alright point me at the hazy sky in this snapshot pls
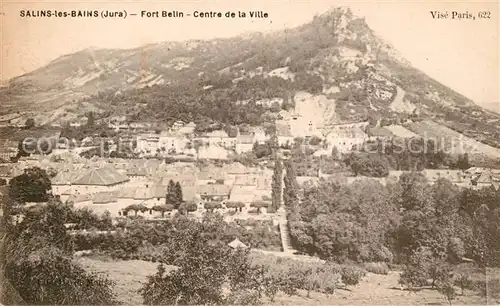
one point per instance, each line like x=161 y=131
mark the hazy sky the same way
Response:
x=463 y=54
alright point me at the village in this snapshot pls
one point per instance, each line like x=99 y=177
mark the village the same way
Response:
x=203 y=164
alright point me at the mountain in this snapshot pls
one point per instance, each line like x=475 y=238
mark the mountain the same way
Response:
x=335 y=64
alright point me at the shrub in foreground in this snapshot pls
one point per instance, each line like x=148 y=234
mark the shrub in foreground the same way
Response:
x=377 y=268
x=352 y=275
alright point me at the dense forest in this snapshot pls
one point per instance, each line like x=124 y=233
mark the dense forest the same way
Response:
x=430 y=229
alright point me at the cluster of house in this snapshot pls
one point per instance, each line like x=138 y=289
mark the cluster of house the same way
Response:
x=114 y=184
x=13 y=120
x=181 y=140
x=345 y=137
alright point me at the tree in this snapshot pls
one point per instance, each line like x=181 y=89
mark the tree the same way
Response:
x=277 y=184
x=210 y=206
x=90 y=119
x=236 y=205
x=262 y=150
x=290 y=195
x=345 y=222
x=315 y=140
x=416 y=271
x=463 y=280
x=463 y=162
x=163 y=208
x=336 y=153
x=368 y=164
x=170 y=197
x=32 y=186
x=202 y=269
x=178 y=193
x=258 y=205
x=29 y=124
x=188 y=207
x=38 y=262
x=136 y=208
x=448 y=291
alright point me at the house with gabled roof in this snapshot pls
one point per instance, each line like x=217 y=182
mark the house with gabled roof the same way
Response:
x=242 y=193
x=137 y=175
x=173 y=142
x=184 y=180
x=246 y=180
x=105 y=197
x=485 y=179
x=244 y=143
x=100 y=179
x=218 y=138
x=237 y=168
x=63 y=181
x=259 y=134
x=345 y=138
x=213 y=192
x=379 y=133
x=187 y=129
x=148 y=143
x=212 y=152
x=210 y=175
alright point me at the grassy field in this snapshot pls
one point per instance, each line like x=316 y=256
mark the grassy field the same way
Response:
x=377 y=289
x=373 y=289
x=129 y=275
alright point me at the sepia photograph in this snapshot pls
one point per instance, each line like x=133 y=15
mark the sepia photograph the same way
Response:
x=248 y=152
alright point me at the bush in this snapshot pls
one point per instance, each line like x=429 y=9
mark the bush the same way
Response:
x=56 y=280
x=377 y=268
x=315 y=140
x=464 y=282
x=311 y=276
x=448 y=291
x=38 y=262
x=352 y=275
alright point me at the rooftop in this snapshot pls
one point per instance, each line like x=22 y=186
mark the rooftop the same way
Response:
x=214 y=190
x=351 y=132
x=245 y=139
x=236 y=243
x=65 y=177
x=105 y=197
x=105 y=176
x=400 y=131
x=211 y=174
x=380 y=132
